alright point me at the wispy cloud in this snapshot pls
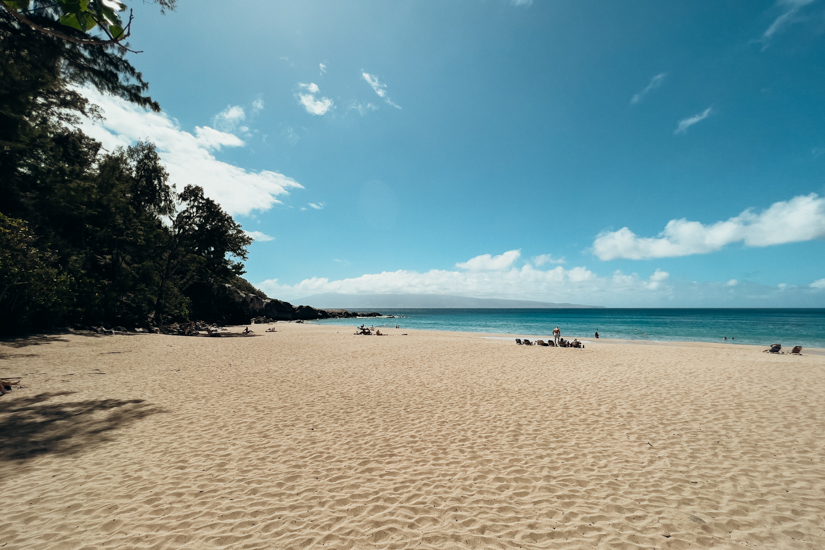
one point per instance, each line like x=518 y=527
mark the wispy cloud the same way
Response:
x=546 y=259
x=654 y=84
x=258 y=105
x=362 y=108
x=378 y=88
x=317 y=205
x=323 y=68
x=787 y=17
x=189 y=156
x=686 y=123
x=819 y=285
x=259 y=237
x=312 y=104
x=800 y=219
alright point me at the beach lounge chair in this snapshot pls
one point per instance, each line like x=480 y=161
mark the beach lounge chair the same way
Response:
x=797 y=350
x=551 y=344
x=518 y=341
x=527 y=342
x=775 y=348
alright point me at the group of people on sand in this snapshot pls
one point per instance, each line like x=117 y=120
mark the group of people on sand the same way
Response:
x=562 y=343
x=557 y=341
x=368 y=331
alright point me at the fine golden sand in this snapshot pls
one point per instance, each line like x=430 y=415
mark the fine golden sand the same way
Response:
x=312 y=437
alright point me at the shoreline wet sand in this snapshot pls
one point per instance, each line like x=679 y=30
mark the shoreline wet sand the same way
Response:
x=312 y=437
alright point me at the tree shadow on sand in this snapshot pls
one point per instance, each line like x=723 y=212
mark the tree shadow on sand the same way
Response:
x=34 y=426
x=41 y=339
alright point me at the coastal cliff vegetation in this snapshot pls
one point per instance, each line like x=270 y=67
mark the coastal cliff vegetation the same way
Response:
x=89 y=236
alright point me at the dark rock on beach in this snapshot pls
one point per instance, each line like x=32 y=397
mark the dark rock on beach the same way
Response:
x=254 y=306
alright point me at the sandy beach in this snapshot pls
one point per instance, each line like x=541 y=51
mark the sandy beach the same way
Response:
x=311 y=437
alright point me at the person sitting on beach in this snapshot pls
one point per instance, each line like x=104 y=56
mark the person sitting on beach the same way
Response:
x=271 y=330
x=246 y=331
x=378 y=332
x=576 y=344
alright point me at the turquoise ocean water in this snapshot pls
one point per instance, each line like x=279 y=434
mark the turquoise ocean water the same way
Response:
x=789 y=327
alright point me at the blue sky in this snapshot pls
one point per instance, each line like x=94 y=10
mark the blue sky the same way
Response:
x=626 y=154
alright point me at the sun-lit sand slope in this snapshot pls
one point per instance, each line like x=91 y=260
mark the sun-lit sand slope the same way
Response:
x=312 y=437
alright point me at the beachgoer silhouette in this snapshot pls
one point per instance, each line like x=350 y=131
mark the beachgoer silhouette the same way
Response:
x=556 y=335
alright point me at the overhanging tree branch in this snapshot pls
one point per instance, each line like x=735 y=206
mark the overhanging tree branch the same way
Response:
x=113 y=41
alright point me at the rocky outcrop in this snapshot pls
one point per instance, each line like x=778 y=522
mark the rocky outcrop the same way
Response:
x=254 y=306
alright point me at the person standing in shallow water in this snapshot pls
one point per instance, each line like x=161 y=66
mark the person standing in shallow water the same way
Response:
x=556 y=335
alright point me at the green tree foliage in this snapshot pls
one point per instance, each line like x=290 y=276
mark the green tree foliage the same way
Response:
x=90 y=236
x=31 y=288
x=71 y=20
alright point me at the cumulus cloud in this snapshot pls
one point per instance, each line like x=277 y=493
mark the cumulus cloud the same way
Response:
x=489 y=276
x=577 y=285
x=788 y=16
x=686 y=123
x=188 y=157
x=800 y=219
x=655 y=82
x=229 y=119
x=486 y=262
x=379 y=88
x=546 y=259
x=312 y=104
x=259 y=237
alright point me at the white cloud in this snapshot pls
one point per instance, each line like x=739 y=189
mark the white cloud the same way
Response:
x=655 y=82
x=188 y=157
x=258 y=105
x=317 y=206
x=490 y=277
x=657 y=279
x=228 y=119
x=577 y=285
x=323 y=68
x=214 y=139
x=686 y=123
x=259 y=237
x=485 y=262
x=546 y=259
x=732 y=282
x=800 y=219
x=313 y=105
x=362 y=108
x=378 y=87
x=788 y=17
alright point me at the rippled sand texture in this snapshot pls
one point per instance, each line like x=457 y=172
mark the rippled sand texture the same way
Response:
x=314 y=438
